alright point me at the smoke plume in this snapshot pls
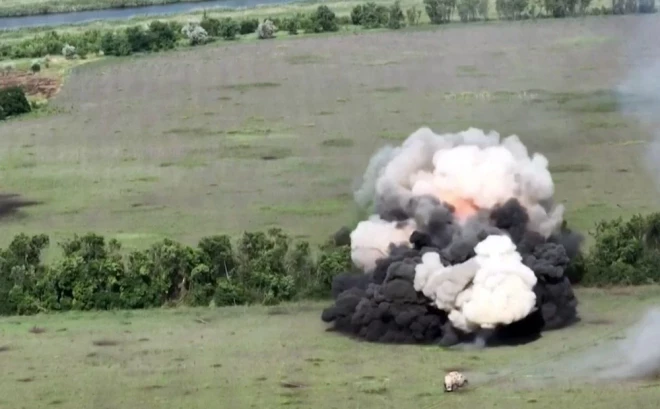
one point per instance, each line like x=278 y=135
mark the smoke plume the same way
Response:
x=637 y=355
x=464 y=243
x=634 y=356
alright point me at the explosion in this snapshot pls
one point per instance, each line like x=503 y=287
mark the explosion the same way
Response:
x=465 y=243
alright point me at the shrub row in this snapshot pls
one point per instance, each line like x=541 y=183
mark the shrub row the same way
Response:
x=13 y=102
x=262 y=267
x=159 y=35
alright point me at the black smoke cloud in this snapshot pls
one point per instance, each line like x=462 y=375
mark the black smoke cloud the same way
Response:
x=383 y=305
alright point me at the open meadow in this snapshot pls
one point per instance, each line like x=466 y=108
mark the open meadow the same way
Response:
x=229 y=137
x=281 y=357
x=226 y=138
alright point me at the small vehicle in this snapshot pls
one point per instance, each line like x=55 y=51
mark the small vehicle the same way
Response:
x=454 y=380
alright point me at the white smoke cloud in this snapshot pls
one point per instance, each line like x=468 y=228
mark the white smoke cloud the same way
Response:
x=371 y=240
x=471 y=170
x=493 y=288
x=502 y=288
x=443 y=284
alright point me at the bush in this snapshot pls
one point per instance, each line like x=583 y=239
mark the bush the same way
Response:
x=162 y=35
x=560 y=8
x=468 y=10
x=211 y=25
x=138 y=39
x=357 y=14
x=630 y=6
x=396 y=18
x=324 y=20
x=439 y=11
x=35 y=66
x=248 y=26
x=195 y=33
x=482 y=9
x=229 y=29
x=116 y=44
x=372 y=15
x=413 y=15
x=68 y=51
x=266 y=30
x=264 y=267
x=13 y=101
x=625 y=253
x=292 y=25
x=647 y=6
x=514 y=9
x=23 y=280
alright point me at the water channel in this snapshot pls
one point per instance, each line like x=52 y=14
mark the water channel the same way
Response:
x=78 y=17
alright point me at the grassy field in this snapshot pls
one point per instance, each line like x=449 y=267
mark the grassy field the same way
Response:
x=232 y=137
x=261 y=357
x=32 y=7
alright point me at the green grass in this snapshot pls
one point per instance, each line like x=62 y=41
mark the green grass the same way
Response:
x=281 y=357
x=196 y=153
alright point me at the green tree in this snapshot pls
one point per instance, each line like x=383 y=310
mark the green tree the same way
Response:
x=396 y=18
x=439 y=11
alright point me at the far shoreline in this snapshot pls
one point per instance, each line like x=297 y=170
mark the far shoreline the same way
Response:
x=45 y=10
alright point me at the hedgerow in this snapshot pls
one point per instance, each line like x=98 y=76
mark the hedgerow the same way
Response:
x=159 y=35
x=94 y=274
x=259 y=268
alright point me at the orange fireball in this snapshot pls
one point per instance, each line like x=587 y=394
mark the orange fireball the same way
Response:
x=463 y=208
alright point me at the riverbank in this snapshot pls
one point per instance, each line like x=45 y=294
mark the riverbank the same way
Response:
x=340 y=8
x=19 y=8
x=127 y=13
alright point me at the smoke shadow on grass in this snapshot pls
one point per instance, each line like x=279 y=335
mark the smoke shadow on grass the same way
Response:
x=11 y=204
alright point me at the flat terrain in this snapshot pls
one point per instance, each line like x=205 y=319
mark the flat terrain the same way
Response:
x=229 y=137
x=281 y=357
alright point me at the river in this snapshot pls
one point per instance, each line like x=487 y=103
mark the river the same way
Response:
x=58 y=19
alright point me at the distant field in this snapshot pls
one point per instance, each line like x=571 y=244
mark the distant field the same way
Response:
x=232 y=137
x=281 y=357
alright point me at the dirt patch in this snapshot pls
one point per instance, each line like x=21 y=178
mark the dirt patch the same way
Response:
x=25 y=380
x=37 y=330
x=151 y=387
x=4 y=348
x=33 y=84
x=599 y=321
x=105 y=343
x=292 y=385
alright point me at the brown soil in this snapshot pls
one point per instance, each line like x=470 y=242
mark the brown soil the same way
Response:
x=34 y=84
